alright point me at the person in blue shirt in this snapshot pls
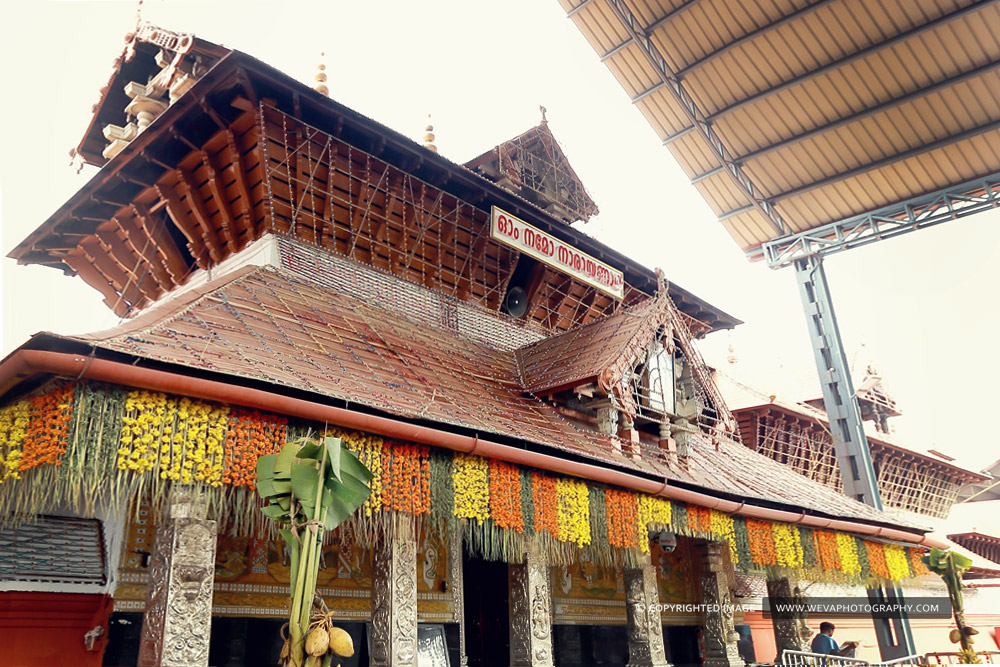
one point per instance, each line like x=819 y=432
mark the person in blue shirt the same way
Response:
x=825 y=644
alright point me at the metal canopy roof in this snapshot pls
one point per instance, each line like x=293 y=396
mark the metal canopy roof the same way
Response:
x=790 y=116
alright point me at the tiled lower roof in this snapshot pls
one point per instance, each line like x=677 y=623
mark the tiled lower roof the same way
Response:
x=268 y=326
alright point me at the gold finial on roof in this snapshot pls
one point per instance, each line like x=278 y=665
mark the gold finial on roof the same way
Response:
x=429 y=136
x=320 y=78
x=543 y=110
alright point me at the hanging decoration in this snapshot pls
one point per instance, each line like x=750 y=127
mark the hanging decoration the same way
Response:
x=79 y=444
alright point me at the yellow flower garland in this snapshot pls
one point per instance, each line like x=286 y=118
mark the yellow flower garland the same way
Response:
x=369 y=451
x=723 y=526
x=13 y=429
x=847 y=549
x=573 y=511
x=181 y=437
x=788 y=545
x=470 y=476
x=897 y=562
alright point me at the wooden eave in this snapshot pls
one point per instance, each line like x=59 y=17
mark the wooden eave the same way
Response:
x=208 y=106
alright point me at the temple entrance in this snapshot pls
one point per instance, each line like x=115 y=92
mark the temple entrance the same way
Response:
x=487 y=623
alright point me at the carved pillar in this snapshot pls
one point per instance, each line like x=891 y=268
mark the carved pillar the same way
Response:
x=530 y=612
x=178 y=617
x=458 y=590
x=645 y=629
x=607 y=420
x=394 y=599
x=718 y=629
x=791 y=629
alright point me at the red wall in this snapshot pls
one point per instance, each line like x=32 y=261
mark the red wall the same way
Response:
x=929 y=635
x=46 y=629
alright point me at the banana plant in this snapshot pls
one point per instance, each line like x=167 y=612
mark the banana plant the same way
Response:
x=950 y=566
x=310 y=487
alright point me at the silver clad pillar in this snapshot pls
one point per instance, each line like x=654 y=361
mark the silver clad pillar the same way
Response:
x=530 y=612
x=394 y=600
x=645 y=629
x=718 y=629
x=178 y=617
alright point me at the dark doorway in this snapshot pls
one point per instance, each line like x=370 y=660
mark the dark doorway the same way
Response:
x=681 y=643
x=486 y=620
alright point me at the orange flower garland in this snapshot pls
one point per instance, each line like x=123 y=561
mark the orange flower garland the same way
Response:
x=699 y=519
x=251 y=434
x=623 y=518
x=545 y=500
x=406 y=478
x=826 y=550
x=876 y=559
x=918 y=565
x=761 y=537
x=46 y=437
x=505 y=495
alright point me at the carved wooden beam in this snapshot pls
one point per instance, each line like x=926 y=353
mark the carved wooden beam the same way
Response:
x=239 y=171
x=200 y=212
x=179 y=216
x=145 y=248
x=228 y=226
x=129 y=261
x=83 y=268
x=155 y=229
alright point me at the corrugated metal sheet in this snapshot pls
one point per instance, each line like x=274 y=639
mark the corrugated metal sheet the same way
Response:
x=829 y=108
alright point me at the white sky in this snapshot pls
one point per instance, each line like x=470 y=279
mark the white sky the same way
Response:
x=923 y=304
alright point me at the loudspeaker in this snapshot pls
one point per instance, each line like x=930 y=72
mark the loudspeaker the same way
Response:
x=515 y=303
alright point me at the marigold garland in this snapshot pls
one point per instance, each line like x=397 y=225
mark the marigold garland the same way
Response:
x=876 y=559
x=573 y=512
x=699 y=519
x=917 y=565
x=188 y=441
x=896 y=562
x=787 y=545
x=826 y=550
x=14 y=421
x=847 y=550
x=651 y=512
x=470 y=475
x=251 y=434
x=761 y=538
x=368 y=449
x=45 y=441
x=722 y=524
x=505 y=495
x=622 y=518
x=406 y=478
x=545 y=500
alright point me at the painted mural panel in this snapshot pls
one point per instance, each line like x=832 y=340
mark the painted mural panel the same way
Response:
x=251 y=575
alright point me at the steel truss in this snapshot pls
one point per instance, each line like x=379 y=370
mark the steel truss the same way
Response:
x=918 y=213
x=639 y=34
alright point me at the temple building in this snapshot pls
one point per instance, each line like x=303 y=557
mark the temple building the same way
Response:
x=926 y=485
x=558 y=478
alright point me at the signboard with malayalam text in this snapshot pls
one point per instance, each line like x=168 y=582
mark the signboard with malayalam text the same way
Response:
x=544 y=247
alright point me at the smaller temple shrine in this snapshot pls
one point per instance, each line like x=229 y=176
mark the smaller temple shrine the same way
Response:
x=558 y=479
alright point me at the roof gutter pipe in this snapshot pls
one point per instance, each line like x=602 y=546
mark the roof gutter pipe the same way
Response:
x=25 y=363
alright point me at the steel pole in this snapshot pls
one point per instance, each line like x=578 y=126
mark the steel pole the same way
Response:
x=850 y=445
